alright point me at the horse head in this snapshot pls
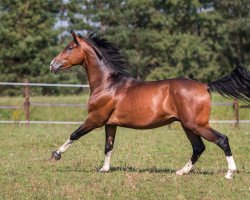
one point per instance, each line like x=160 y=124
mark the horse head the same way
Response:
x=75 y=53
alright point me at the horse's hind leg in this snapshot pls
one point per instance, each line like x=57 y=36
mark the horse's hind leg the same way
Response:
x=110 y=132
x=219 y=139
x=223 y=142
x=198 y=148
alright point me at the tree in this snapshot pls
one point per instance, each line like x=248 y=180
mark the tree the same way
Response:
x=29 y=41
x=200 y=39
x=178 y=36
x=236 y=29
x=135 y=27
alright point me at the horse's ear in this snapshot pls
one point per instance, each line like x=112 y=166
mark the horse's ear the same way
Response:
x=75 y=37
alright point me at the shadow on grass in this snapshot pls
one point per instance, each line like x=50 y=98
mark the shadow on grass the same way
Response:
x=132 y=169
x=157 y=170
x=150 y=170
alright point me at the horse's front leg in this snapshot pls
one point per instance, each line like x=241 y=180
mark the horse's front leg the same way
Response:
x=85 y=128
x=110 y=132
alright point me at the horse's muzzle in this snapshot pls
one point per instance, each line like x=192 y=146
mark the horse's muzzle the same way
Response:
x=55 y=66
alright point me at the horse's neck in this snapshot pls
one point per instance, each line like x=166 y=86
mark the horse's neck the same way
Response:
x=97 y=75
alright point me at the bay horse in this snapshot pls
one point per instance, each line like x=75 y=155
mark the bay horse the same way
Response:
x=117 y=99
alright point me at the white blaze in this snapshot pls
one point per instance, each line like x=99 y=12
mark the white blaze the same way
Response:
x=51 y=64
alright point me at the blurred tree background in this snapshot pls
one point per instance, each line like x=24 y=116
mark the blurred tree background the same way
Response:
x=199 y=39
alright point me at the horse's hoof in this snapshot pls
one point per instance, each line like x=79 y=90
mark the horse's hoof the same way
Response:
x=55 y=156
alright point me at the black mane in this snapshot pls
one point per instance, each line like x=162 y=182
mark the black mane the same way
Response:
x=114 y=60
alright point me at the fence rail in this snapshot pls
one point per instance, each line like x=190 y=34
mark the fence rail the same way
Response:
x=222 y=103
x=26 y=105
x=11 y=107
x=38 y=104
x=38 y=122
x=43 y=84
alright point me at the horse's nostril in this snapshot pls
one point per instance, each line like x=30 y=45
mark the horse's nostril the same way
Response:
x=55 y=67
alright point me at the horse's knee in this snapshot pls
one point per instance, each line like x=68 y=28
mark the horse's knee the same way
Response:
x=75 y=136
x=78 y=133
x=82 y=130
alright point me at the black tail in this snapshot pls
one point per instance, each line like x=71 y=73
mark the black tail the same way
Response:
x=235 y=85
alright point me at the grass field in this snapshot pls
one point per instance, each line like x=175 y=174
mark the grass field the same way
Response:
x=143 y=162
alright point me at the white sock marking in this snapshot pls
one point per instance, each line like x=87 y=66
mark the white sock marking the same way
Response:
x=106 y=165
x=64 y=147
x=186 y=169
x=231 y=167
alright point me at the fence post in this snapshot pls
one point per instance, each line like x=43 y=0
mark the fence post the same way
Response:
x=236 y=113
x=26 y=102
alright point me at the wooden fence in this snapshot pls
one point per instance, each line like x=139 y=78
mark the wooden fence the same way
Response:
x=27 y=104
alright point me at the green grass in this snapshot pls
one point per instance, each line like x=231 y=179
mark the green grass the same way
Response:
x=143 y=165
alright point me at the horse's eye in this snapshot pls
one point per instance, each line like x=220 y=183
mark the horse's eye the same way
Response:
x=70 y=47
